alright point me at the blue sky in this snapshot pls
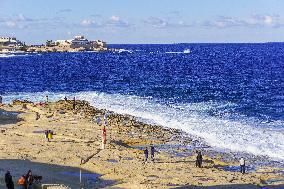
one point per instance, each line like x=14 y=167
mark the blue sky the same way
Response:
x=144 y=21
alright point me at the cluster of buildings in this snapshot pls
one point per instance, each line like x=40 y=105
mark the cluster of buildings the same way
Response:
x=79 y=43
x=11 y=44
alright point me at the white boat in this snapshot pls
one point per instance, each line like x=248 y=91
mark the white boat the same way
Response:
x=186 y=51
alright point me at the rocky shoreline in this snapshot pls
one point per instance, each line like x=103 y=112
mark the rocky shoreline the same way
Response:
x=76 y=145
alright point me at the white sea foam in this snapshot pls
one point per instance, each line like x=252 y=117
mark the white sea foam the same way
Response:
x=236 y=136
x=124 y=51
x=6 y=55
x=186 y=51
x=12 y=55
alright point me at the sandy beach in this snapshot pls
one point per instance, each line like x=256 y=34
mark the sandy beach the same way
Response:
x=77 y=142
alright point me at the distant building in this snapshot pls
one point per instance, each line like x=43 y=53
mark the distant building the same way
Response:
x=10 y=44
x=79 y=43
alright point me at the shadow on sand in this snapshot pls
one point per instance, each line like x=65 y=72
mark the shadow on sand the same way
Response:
x=230 y=186
x=8 y=117
x=52 y=174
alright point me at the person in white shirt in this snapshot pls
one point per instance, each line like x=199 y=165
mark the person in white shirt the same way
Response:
x=242 y=165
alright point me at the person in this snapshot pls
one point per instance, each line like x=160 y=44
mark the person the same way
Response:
x=22 y=182
x=65 y=98
x=103 y=137
x=146 y=154
x=1 y=99
x=46 y=98
x=46 y=134
x=29 y=180
x=199 y=159
x=242 y=165
x=9 y=181
x=152 y=152
x=74 y=103
x=49 y=135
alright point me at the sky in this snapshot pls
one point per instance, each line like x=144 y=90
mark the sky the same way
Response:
x=144 y=21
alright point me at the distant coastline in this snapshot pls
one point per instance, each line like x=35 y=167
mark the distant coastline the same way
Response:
x=77 y=44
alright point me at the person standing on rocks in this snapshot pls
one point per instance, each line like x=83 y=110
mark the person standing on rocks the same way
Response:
x=199 y=159
x=74 y=103
x=103 y=137
x=242 y=165
x=146 y=154
x=152 y=152
x=9 y=181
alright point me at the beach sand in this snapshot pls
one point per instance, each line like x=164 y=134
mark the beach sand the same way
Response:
x=77 y=142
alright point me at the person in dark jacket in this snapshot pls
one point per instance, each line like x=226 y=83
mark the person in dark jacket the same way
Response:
x=152 y=152
x=9 y=181
x=242 y=165
x=199 y=159
x=29 y=180
x=146 y=154
x=74 y=103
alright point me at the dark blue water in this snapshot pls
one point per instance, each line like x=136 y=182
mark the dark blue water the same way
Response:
x=242 y=84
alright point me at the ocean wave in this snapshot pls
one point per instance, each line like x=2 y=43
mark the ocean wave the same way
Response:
x=186 y=51
x=221 y=133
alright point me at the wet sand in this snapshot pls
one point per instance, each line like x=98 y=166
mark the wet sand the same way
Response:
x=78 y=139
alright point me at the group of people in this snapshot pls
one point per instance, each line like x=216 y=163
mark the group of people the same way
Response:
x=199 y=159
x=146 y=153
x=25 y=181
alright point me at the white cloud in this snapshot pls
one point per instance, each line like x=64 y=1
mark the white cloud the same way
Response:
x=156 y=22
x=86 y=22
x=90 y=23
x=251 y=21
x=268 y=20
x=115 y=21
x=11 y=24
x=115 y=18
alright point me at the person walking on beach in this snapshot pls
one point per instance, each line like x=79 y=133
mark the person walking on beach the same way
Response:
x=9 y=181
x=46 y=135
x=146 y=154
x=74 y=103
x=103 y=137
x=199 y=159
x=1 y=99
x=49 y=135
x=29 y=180
x=152 y=152
x=242 y=165
x=22 y=182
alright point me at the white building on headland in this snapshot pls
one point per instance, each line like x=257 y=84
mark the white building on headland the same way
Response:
x=10 y=44
x=79 y=42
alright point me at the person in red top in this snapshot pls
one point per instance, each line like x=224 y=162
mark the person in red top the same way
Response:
x=22 y=182
x=103 y=137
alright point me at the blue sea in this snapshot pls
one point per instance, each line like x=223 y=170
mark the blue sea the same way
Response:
x=230 y=96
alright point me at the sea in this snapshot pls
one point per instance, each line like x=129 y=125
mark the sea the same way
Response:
x=229 y=96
